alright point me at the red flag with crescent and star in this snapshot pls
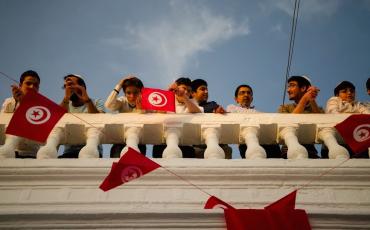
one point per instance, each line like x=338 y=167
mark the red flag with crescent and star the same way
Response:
x=214 y=202
x=132 y=165
x=35 y=117
x=355 y=131
x=157 y=99
x=280 y=215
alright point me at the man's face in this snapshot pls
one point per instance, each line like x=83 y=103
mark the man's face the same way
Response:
x=184 y=88
x=294 y=91
x=132 y=92
x=347 y=94
x=201 y=95
x=244 y=97
x=29 y=83
x=72 y=82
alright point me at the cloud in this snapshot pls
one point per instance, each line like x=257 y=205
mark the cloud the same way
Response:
x=170 y=41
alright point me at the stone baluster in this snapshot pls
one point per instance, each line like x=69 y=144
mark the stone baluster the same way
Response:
x=7 y=150
x=132 y=136
x=50 y=150
x=295 y=150
x=254 y=149
x=172 y=135
x=211 y=135
x=93 y=138
x=327 y=135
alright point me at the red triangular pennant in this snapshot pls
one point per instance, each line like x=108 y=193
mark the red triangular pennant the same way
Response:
x=157 y=99
x=262 y=219
x=132 y=165
x=285 y=203
x=355 y=131
x=214 y=202
x=280 y=215
x=35 y=117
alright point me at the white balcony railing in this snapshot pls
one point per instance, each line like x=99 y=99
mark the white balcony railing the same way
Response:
x=63 y=193
x=187 y=129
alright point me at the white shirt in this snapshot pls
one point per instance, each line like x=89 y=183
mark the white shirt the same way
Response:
x=337 y=105
x=238 y=109
x=181 y=107
x=9 y=105
x=119 y=104
x=83 y=108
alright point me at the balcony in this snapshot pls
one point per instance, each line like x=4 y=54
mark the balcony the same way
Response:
x=48 y=193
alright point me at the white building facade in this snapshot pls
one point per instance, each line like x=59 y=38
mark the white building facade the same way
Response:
x=50 y=193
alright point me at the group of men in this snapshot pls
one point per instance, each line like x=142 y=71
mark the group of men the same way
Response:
x=191 y=97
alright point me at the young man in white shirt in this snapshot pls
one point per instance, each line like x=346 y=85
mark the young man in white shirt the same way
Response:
x=244 y=98
x=77 y=100
x=129 y=103
x=184 y=104
x=29 y=80
x=344 y=100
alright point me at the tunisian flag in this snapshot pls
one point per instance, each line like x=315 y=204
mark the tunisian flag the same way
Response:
x=157 y=99
x=280 y=215
x=132 y=165
x=35 y=117
x=214 y=202
x=355 y=131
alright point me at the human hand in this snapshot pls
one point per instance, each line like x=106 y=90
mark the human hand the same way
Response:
x=81 y=93
x=181 y=94
x=220 y=110
x=172 y=87
x=68 y=90
x=122 y=81
x=313 y=92
x=17 y=93
x=138 y=102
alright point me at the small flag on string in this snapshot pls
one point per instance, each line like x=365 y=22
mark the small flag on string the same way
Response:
x=214 y=202
x=35 y=117
x=132 y=165
x=280 y=215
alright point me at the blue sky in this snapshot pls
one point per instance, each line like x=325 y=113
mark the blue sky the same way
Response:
x=224 y=42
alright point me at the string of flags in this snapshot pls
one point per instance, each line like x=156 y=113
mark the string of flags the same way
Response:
x=278 y=215
x=40 y=114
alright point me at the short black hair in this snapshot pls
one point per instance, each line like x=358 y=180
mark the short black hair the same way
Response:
x=343 y=85
x=29 y=73
x=136 y=82
x=240 y=86
x=195 y=84
x=368 y=84
x=80 y=80
x=183 y=81
x=301 y=80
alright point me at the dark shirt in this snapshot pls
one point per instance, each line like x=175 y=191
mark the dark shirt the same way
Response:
x=209 y=107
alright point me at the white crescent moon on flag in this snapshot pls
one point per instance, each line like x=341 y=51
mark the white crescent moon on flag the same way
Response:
x=38 y=115
x=130 y=173
x=220 y=206
x=157 y=99
x=361 y=133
